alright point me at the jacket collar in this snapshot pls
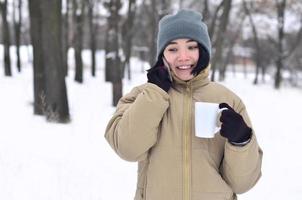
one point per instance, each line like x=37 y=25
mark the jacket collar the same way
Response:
x=200 y=80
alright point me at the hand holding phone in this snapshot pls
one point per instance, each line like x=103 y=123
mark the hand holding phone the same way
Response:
x=160 y=75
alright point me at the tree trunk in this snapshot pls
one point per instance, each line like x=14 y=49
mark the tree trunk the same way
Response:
x=153 y=29
x=256 y=41
x=38 y=70
x=206 y=11
x=231 y=43
x=92 y=29
x=17 y=18
x=225 y=63
x=263 y=72
x=214 y=21
x=256 y=74
x=224 y=19
x=113 y=62
x=278 y=75
x=6 y=39
x=55 y=87
x=279 y=63
x=128 y=33
x=65 y=37
x=244 y=68
x=78 y=11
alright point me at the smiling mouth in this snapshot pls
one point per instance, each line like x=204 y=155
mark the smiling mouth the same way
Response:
x=184 y=67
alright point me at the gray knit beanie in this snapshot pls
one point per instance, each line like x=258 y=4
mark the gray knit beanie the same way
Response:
x=184 y=24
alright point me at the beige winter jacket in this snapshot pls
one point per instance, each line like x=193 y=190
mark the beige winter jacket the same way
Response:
x=157 y=130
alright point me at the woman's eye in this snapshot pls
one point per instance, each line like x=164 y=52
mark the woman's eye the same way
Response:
x=193 y=47
x=172 y=49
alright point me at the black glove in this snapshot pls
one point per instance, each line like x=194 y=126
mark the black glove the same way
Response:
x=203 y=61
x=233 y=126
x=159 y=76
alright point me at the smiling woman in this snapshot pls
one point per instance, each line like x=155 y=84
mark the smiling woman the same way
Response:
x=182 y=56
x=155 y=124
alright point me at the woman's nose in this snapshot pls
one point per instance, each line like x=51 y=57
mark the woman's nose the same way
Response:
x=183 y=55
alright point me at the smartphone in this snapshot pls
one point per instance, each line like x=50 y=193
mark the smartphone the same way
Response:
x=168 y=68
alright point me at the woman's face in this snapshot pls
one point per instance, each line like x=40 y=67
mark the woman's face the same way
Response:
x=182 y=56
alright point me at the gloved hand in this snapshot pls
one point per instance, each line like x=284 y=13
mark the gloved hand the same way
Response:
x=233 y=125
x=203 y=61
x=159 y=76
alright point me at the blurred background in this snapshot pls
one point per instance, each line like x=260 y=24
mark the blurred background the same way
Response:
x=64 y=64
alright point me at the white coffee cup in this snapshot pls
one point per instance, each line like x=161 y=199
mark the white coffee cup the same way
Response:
x=206 y=119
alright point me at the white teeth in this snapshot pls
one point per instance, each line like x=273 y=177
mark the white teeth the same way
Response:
x=184 y=67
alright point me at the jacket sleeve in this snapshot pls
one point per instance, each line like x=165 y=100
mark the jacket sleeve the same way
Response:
x=241 y=166
x=133 y=129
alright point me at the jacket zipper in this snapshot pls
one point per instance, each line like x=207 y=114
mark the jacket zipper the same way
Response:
x=186 y=144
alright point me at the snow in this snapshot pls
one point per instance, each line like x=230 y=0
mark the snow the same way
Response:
x=41 y=160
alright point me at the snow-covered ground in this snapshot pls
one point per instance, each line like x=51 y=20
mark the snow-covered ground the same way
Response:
x=40 y=160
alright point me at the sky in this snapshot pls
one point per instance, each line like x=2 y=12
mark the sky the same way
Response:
x=41 y=160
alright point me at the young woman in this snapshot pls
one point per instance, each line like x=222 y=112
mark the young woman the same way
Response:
x=154 y=124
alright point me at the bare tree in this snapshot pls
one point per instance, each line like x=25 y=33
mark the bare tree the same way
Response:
x=128 y=32
x=6 y=38
x=45 y=16
x=78 y=15
x=38 y=68
x=281 y=6
x=283 y=54
x=112 y=45
x=294 y=60
x=155 y=10
x=55 y=88
x=229 y=44
x=154 y=18
x=256 y=41
x=206 y=11
x=214 y=20
x=17 y=18
x=65 y=35
x=92 y=29
x=224 y=19
x=264 y=49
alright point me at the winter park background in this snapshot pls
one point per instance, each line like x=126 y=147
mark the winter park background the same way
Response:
x=41 y=160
